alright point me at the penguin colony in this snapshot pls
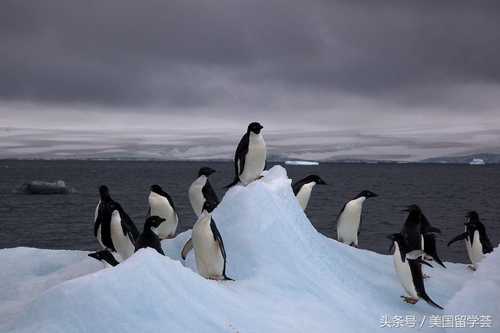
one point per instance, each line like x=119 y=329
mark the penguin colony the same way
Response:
x=414 y=245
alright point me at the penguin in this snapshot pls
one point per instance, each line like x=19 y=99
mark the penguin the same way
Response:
x=412 y=228
x=250 y=156
x=201 y=190
x=303 y=188
x=408 y=266
x=208 y=246
x=349 y=218
x=149 y=238
x=104 y=205
x=105 y=257
x=162 y=205
x=477 y=242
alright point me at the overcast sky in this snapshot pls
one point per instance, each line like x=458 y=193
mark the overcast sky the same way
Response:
x=384 y=68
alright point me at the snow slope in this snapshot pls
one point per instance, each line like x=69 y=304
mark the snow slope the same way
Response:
x=289 y=278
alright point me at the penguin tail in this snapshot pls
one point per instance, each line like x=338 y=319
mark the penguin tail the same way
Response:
x=234 y=182
x=227 y=278
x=426 y=298
x=438 y=260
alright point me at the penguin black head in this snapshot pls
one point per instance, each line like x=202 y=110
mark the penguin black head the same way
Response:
x=205 y=171
x=254 y=128
x=314 y=178
x=209 y=205
x=472 y=217
x=412 y=209
x=367 y=194
x=157 y=189
x=104 y=193
x=153 y=222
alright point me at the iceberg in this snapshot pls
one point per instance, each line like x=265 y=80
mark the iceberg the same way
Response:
x=289 y=278
x=43 y=187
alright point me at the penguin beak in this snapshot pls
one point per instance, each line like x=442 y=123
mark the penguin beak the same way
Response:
x=373 y=195
x=321 y=182
x=407 y=209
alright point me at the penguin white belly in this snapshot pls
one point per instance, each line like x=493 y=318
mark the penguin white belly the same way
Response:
x=196 y=197
x=305 y=194
x=161 y=207
x=404 y=273
x=348 y=223
x=122 y=243
x=255 y=161
x=476 y=249
x=209 y=259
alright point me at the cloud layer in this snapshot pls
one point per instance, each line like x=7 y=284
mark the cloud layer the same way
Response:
x=300 y=66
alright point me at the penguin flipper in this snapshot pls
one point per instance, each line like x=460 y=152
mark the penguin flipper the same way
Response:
x=239 y=159
x=418 y=281
x=426 y=298
x=97 y=222
x=457 y=238
x=187 y=247
x=218 y=239
x=159 y=249
x=130 y=226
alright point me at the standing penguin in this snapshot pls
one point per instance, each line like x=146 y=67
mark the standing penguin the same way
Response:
x=201 y=190
x=116 y=236
x=149 y=238
x=162 y=205
x=250 y=156
x=104 y=204
x=303 y=188
x=105 y=257
x=350 y=218
x=412 y=228
x=408 y=266
x=208 y=246
x=477 y=242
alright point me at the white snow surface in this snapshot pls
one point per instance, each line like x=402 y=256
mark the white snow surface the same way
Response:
x=289 y=278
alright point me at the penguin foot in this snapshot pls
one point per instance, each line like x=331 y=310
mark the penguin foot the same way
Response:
x=472 y=268
x=426 y=276
x=409 y=300
x=168 y=237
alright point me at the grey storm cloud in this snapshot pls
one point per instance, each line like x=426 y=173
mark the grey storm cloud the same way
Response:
x=190 y=54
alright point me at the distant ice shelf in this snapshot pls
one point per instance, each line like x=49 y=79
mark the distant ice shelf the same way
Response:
x=301 y=163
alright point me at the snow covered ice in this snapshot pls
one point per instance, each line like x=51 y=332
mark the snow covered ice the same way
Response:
x=289 y=278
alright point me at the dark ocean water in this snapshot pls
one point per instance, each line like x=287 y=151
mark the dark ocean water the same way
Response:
x=445 y=193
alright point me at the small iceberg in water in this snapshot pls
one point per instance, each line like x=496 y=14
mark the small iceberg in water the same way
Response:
x=43 y=187
x=477 y=161
x=301 y=163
